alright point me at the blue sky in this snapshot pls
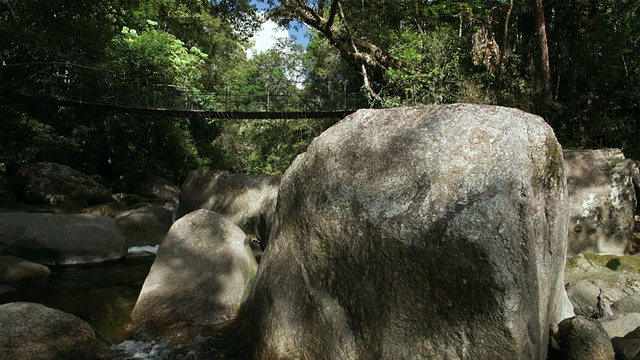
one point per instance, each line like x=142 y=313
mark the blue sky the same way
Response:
x=269 y=33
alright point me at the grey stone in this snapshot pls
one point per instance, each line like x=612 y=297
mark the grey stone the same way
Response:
x=602 y=201
x=198 y=278
x=34 y=331
x=432 y=232
x=15 y=270
x=629 y=304
x=147 y=225
x=55 y=184
x=248 y=200
x=627 y=347
x=621 y=325
x=581 y=338
x=61 y=239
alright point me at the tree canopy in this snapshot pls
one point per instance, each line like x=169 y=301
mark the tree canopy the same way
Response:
x=576 y=63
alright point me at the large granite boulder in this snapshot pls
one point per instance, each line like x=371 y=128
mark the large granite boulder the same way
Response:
x=61 y=239
x=602 y=201
x=248 y=200
x=34 y=331
x=147 y=225
x=55 y=184
x=198 y=278
x=432 y=232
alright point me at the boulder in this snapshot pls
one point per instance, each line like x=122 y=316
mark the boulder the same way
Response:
x=15 y=270
x=111 y=209
x=147 y=225
x=148 y=185
x=627 y=347
x=61 y=239
x=584 y=297
x=430 y=232
x=621 y=325
x=618 y=276
x=626 y=305
x=581 y=338
x=55 y=184
x=248 y=200
x=602 y=201
x=34 y=331
x=198 y=278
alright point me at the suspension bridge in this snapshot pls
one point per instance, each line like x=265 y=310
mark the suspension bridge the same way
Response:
x=71 y=85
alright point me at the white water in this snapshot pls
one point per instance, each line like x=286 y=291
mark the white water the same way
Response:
x=131 y=349
x=143 y=250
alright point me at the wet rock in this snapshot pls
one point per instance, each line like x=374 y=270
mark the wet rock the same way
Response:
x=34 y=331
x=431 y=232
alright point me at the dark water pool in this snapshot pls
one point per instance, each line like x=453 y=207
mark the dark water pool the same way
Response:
x=102 y=295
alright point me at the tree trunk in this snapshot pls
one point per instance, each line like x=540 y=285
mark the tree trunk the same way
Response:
x=363 y=56
x=545 y=68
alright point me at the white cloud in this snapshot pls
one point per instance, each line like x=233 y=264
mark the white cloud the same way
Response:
x=267 y=37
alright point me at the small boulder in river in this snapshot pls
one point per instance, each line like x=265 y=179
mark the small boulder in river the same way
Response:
x=433 y=232
x=34 y=331
x=16 y=270
x=602 y=201
x=198 y=278
x=55 y=184
x=61 y=239
x=248 y=200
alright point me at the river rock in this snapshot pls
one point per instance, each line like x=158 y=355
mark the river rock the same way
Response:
x=198 y=278
x=15 y=270
x=248 y=200
x=61 y=239
x=148 y=185
x=581 y=338
x=432 y=232
x=55 y=184
x=147 y=225
x=34 y=331
x=602 y=201
x=627 y=347
x=621 y=325
x=618 y=276
x=626 y=305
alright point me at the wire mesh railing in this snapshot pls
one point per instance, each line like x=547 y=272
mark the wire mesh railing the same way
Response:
x=82 y=84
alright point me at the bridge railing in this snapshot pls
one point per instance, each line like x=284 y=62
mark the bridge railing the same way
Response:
x=70 y=82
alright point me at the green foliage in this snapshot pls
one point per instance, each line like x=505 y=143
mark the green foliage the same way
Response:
x=266 y=146
x=429 y=68
x=191 y=54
